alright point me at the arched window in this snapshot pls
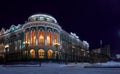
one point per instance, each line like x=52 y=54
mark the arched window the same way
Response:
x=27 y=36
x=42 y=18
x=49 y=38
x=41 y=37
x=55 y=37
x=37 y=18
x=41 y=53
x=50 y=54
x=32 y=53
x=33 y=37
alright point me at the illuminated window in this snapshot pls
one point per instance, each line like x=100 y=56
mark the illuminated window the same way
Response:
x=33 y=37
x=41 y=37
x=55 y=37
x=41 y=18
x=50 y=54
x=49 y=38
x=41 y=53
x=27 y=36
x=32 y=53
x=48 y=19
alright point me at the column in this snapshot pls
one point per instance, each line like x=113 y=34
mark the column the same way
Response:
x=36 y=35
x=53 y=37
x=29 y=36
x=59 y=38
x=24 y=36
x=45 y=36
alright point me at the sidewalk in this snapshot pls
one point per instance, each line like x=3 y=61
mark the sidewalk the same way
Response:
x=81 y=65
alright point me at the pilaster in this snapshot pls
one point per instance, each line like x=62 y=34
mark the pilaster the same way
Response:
x=45 y=36
x=36 y=35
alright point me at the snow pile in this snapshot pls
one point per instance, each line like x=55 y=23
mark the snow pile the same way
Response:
x=68 y=65
x=110 y=63
x=78 y=65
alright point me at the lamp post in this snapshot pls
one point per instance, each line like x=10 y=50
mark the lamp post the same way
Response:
x=26 y=43
x=6 y=49
x=56 y=52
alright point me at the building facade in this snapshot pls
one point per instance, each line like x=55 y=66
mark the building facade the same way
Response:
x=41 y=37
x=100 y=54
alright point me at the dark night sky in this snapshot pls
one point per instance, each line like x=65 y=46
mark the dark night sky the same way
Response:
x=91 y=20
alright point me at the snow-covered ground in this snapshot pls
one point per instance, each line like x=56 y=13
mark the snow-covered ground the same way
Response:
x=81 y=65
x=110 y=63
x=107 y=64
x=52 y=65
x=55 y=68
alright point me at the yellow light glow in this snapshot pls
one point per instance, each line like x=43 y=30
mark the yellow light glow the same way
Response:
x=41 y=37
x=26 y=42
x=48 y=39
x=73 y=46
x=56 y=43
x=82 y=49
x=34 y=37
x=7 y=46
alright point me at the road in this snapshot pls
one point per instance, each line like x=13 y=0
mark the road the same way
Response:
x=56 y=70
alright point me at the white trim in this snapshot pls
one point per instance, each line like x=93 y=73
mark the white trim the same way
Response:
x=38 y=15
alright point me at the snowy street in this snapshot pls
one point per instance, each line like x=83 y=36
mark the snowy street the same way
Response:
x=56 y=69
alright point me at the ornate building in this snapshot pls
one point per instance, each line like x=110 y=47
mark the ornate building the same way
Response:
x=41 y=37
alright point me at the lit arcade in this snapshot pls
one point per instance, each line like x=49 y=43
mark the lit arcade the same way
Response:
x=41 y=38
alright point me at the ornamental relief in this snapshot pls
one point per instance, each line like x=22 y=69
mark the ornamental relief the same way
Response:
x=41 y=24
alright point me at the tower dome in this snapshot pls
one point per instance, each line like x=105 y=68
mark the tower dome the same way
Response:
x=42 y=17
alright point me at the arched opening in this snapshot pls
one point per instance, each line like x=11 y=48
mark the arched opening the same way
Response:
x=33 y=37
x=55 y=37
x=50 y=54
x=49 y=38
x=27 y=36
x=32 y=53
x=41 y=53
x=41 y=37
x=2 y=49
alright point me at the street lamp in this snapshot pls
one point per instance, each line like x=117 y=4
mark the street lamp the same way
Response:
x=56 y=52
x=6 y=49
x=26 y=43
